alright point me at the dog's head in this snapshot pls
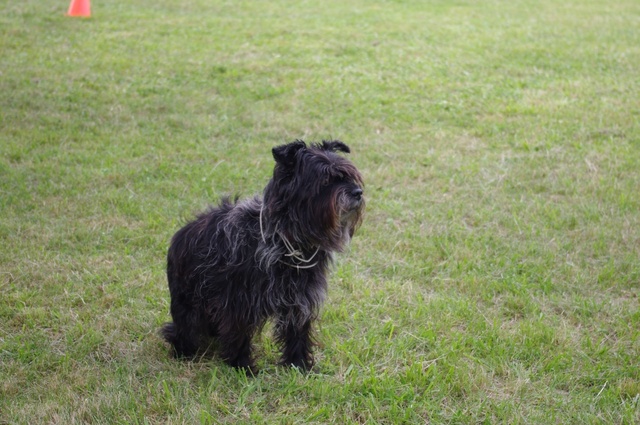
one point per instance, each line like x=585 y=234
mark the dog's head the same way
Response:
x=316 y=194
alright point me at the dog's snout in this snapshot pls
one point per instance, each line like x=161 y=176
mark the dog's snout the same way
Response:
x=356 y=193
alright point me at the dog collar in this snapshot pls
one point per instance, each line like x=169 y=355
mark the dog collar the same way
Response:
x=293 y=253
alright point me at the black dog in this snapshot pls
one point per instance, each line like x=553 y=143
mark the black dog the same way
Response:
x=241 y=263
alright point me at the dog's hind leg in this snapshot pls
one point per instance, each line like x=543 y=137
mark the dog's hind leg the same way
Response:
x=182 y=334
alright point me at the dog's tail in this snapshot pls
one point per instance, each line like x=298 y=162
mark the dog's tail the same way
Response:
x=182 y=348
x=169 y=332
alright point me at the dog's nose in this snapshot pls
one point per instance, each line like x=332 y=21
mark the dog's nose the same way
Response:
x=356 y=193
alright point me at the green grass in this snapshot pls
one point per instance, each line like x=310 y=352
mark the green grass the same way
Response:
x=496 y=278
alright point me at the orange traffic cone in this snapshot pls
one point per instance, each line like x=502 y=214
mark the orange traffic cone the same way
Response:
x=79 y=8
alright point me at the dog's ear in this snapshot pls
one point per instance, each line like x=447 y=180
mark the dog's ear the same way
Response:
x=286 y=154
x=334 y=146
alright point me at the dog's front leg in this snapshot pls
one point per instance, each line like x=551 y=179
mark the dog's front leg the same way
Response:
x=294 y=333
x=236 y=349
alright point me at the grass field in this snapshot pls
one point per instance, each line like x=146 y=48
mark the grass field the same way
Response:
x=496 y=278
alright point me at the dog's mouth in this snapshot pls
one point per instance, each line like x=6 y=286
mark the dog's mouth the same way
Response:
x=355 y=205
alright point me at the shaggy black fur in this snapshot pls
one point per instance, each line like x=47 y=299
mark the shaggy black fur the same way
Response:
x=241 y=263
